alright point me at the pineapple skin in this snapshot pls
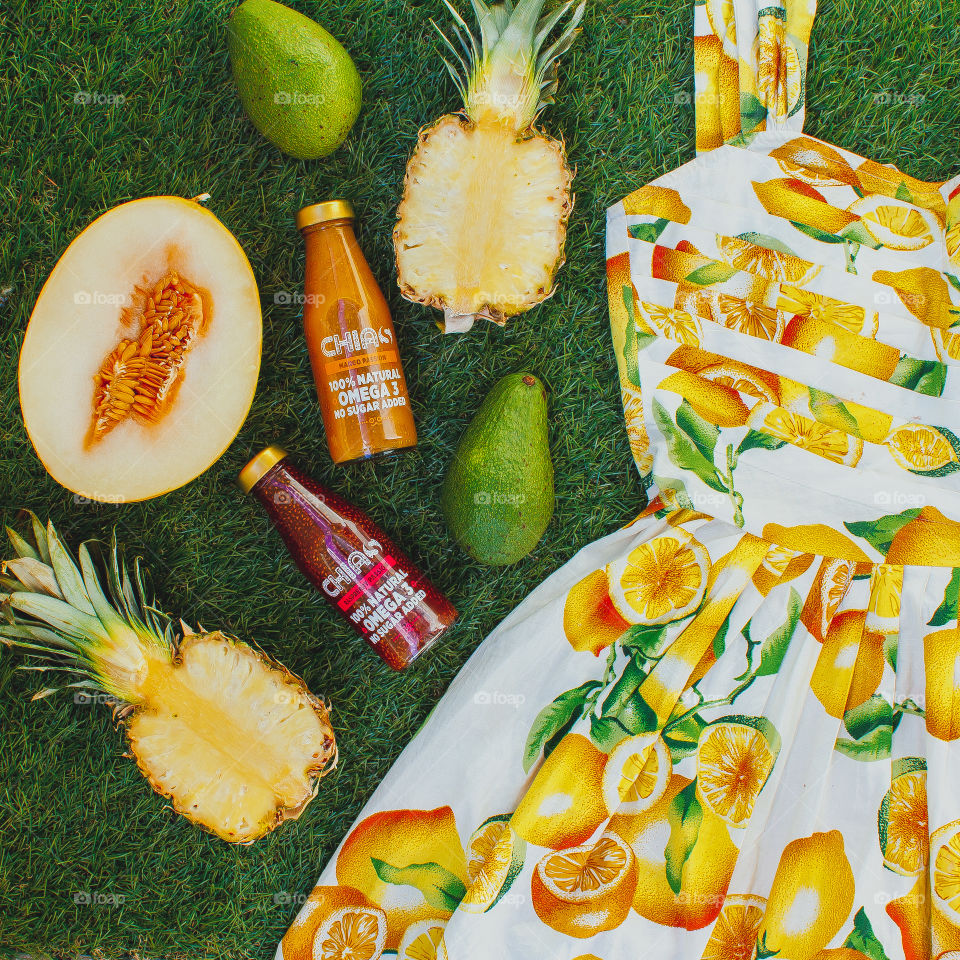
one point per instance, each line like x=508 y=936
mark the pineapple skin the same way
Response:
x=465 y=297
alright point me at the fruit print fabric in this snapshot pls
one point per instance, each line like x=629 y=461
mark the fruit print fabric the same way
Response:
x=727 y=731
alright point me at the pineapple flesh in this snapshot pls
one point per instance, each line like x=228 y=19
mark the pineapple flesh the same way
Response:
x=232 y=738
x=482 y=225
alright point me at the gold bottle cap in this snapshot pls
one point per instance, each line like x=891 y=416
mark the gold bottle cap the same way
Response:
x=259 y=466
x=323 y=213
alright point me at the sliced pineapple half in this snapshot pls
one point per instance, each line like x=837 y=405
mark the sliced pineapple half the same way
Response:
x=231 y=737
x=482 y=225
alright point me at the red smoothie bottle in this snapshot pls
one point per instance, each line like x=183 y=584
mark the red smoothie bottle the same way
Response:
x=357 y=567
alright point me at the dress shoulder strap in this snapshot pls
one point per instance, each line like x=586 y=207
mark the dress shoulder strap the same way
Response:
x=750 y=59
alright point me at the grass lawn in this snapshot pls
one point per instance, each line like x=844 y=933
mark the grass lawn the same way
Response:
x=75 y=817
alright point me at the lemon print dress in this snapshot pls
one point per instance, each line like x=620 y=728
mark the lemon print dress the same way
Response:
x=730 y=730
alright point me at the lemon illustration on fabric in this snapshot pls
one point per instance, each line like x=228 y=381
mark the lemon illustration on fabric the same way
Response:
x=953 y=227
x=815 y=163
x=662 y=203
x=902 y=818
x=685 y=894
x=886 y=587
x=945 y=873
x=811 y=435
x=941 y=654
x=409 y=863
x=659 y=581
x=636 y=429
x=676 y=325
x=735 y=756
x=810 y=900
x=336 y=923
x=780 y=79
x=826 y=309
x=930 y=451
x=495 y=857
x=422 y=940
x=636 y=774
x=734 y=935
x=766 y=256
x=564 y=805
x=585 y=890
x=850 y=665
x=895 y=224
x=749 y=318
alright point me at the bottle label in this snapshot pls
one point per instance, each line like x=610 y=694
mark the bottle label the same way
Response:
x=361 y=364
x=379 y=600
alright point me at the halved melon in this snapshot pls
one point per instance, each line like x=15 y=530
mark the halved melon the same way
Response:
x=142 y=354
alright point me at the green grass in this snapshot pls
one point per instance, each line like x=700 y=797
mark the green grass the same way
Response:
x=74 y=815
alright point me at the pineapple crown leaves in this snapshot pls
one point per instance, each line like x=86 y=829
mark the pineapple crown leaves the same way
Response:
x=511 y=75
x=57 y=611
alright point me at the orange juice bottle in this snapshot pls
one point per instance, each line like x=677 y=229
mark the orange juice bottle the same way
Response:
x=351 y=341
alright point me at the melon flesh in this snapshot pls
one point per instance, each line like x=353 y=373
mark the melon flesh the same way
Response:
x=88 y=306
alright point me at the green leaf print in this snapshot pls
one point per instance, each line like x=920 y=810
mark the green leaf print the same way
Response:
x=775 y=647
x=955 y=283
x=685 y=815
x=858 y=234
x=871 y=726
x=625 y=704
x=753 y=113
x=440 y=888
x=921 y=376
x=631 y=354
x=711 y=273
x=947 y=611
x=880 y=533
x=684 y=452
x=607 y=732
x=903 y=193
x=758 y=440
x=564 y=710
x=875 y=746
x=817 y=233
x=720 y=637
x=863 y=938
x=765 y=240
x=650 y=232
x=870 y=715
x=933 y=382
x=831 y=410
x=703 y=433
x=681 y=735
x=645 y=639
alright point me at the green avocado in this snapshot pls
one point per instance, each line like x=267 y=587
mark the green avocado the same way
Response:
x=298 y=85
x=498 y=493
